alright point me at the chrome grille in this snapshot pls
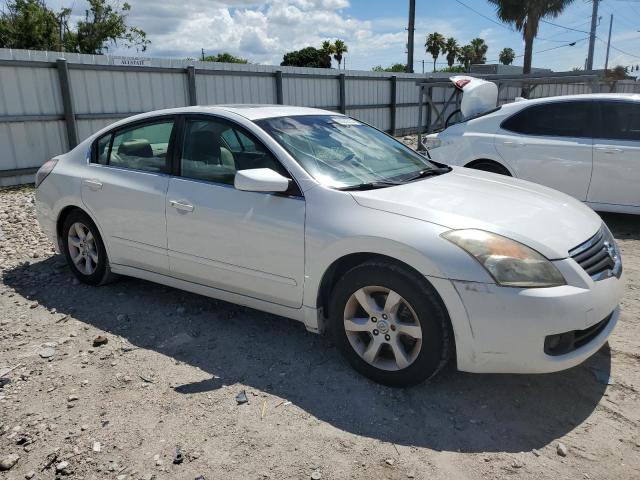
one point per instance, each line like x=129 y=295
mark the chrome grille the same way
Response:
x=598 y=256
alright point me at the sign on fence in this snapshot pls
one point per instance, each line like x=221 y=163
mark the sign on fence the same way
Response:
x=132 y=61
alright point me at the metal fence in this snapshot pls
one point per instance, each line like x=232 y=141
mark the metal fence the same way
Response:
x=49 y=104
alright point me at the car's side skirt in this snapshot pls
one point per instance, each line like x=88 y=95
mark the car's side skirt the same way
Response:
x=307 y=315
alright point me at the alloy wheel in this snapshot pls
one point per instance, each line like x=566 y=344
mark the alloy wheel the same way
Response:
x=382 y=328
x=82 y=248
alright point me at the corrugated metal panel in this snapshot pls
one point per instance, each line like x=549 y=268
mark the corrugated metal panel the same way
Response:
x=100 y=91
x=29 y=91
x=311 y=92
x=214 y=89
x=30 y=144
x=378 y=117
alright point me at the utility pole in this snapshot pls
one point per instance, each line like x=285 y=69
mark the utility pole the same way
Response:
x=202 y=54
x=411 y=31
x=592 y=36
x=423 y=66
x=606 y=62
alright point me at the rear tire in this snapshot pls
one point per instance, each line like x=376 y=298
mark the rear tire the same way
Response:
x=402 y=337
x=489 y=166
x=84 y=250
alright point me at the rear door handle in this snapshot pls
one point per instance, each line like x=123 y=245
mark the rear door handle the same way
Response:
x=92 y=183
x=182 y=206
x=609 y=150
x=514 y=144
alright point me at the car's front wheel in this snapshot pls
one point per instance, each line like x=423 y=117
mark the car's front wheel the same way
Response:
x=390 y=324
x=84 y=249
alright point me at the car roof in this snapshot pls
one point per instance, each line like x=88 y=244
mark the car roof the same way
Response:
x=565 y=98
x=249 y=111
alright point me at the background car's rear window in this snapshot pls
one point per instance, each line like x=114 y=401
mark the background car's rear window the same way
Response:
x=620 y=120
x=559 y=119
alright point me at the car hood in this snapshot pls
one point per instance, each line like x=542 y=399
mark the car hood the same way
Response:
x=544 y=219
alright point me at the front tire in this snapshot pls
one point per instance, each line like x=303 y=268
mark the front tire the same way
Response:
x=390 y=324
x=489 y=166
x=84 y=249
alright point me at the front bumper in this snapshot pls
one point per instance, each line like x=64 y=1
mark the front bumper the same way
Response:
x=509 y=325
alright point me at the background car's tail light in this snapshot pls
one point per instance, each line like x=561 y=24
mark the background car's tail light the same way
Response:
x=45 y=170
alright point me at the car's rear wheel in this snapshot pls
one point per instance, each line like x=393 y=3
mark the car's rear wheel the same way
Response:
x=390 y=324
x=84 y=249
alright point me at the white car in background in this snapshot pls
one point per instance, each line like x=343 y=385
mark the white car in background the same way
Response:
x=317 y=217
x=587 y=146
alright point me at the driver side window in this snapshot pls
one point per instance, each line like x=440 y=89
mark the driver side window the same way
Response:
x=214 y=151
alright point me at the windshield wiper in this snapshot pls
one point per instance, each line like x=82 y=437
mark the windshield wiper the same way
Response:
x=427 y=172
x=370 y=185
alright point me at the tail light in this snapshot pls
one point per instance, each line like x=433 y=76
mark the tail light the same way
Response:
x=462 y=83
x=45 y=170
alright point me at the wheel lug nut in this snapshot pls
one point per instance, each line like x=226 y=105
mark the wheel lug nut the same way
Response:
x=375 y=332
x=374 y=319
x=393 y=327
x=387 y=338
x=384 y=316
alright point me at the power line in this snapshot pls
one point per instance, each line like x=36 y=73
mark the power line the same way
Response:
x=618 y=49
x=485 y=17
x=562 y=26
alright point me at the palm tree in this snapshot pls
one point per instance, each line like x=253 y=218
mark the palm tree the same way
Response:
x=339 y=49
x=526 y=16
x=507 y=56
x=479 y=51
x=435 y=44
x=453 y=49
x=328 y=50
x=465 y=56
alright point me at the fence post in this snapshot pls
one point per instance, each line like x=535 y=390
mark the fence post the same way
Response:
x=67 y=103
x=279 y=92
x=343 y=96
x=191 y=85
x=394 y=104
x=419 y=147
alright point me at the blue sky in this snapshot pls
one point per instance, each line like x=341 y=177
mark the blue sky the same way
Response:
x=374 y=30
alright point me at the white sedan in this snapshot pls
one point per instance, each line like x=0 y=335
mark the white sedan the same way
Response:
x=317 y=217
x=587 y=146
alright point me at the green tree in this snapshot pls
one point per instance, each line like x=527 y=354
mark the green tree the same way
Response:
x=339 y=49
x=306 y=57
x=328 y=49
x=465 y=56
x=480 y=48
x=30 y=25
x=225 y=57
x=507 y=56
x=434 y=45
x=453 y=50
x=396 y=67
x=526 y=16
x=104 y=24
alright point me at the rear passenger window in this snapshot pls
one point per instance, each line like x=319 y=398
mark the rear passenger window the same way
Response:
x=561 y=119
x=620 y=120
x=214 y=151
x=143 y=147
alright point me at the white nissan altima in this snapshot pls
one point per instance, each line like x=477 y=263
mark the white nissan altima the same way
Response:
x=318 y=217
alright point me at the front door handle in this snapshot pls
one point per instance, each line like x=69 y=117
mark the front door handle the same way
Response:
x=181 y=205
x=609 y=150
x=92 y=183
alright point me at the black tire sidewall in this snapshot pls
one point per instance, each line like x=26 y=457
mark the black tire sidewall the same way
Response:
x=101 y=269
x=425 y=302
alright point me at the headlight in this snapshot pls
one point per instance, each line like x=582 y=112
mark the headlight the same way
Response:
x=510 y=263
x=433 y=142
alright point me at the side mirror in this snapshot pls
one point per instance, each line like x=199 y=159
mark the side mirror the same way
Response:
x=260 y=180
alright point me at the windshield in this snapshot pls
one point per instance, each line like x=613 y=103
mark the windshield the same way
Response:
x=342 y=152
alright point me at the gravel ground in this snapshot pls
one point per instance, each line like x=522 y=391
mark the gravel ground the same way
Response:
x=158 y=400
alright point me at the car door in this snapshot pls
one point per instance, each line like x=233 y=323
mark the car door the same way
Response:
x=616 y=161
x=551 y=144
x=250 y=243
x=125 y=188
